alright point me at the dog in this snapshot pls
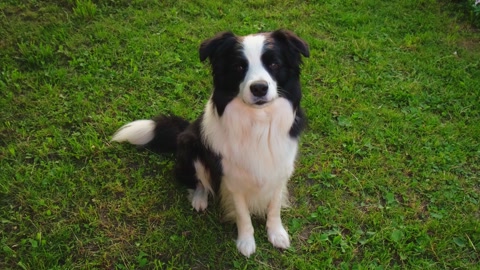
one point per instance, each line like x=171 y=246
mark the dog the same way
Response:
x=244 y=145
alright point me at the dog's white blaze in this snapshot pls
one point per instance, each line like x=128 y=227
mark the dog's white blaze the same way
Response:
x=253 y=47
x=257 y=151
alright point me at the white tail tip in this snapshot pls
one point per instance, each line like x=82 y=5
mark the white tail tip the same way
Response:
x=138 y=132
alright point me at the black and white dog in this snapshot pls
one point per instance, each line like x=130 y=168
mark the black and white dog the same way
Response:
x=243 y=147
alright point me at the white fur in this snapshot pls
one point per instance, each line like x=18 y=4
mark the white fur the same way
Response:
x=258 y=158
x=138 y=132
x=277 y=234
x=253 y=49
x=199 y=198
x=200 y=195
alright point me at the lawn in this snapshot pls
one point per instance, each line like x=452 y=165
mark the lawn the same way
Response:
x=388 y=175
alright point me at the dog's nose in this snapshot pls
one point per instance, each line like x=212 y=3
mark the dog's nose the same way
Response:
x=259 y=88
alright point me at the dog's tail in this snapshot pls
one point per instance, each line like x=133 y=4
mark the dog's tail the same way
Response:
x=159 y=134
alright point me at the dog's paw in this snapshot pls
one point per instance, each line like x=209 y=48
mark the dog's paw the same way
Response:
x=279 y=237
x=246 y=246
x=199 y=198
x=200 y=203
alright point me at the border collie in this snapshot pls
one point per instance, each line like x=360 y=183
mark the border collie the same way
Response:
x=244 y=144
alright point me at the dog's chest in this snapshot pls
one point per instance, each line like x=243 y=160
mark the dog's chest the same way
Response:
x=254 y=144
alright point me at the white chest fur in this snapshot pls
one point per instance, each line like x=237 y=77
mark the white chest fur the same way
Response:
x=256 y=148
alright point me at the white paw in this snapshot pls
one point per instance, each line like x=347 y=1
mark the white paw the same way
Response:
x=200 y=203
x=199 y=198
x=246 y=246
x=279 y=237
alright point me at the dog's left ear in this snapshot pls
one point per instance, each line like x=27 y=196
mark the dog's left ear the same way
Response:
x=215 y=45
x=293 y=41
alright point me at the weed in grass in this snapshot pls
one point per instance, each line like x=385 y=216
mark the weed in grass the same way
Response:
x=35 y=55
x=84 y=9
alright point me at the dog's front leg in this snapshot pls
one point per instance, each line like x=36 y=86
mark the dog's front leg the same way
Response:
x=277 y=235
x=245 y=239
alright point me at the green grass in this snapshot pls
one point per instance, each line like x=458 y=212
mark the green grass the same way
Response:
x=389 y=171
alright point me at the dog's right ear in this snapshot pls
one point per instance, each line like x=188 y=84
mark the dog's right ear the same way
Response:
x=211 y=46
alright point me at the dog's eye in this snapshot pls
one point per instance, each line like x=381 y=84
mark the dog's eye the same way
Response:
x=274 y=66
x=239 y=68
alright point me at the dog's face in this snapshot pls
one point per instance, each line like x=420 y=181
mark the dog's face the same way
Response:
x=256 y=69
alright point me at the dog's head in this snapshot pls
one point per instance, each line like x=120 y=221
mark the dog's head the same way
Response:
x=257 y=68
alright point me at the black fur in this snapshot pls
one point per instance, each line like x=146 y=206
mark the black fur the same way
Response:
x=167 y=130
x=228 y=67
x=299 y=124
x=174 y=134
x=191 y=148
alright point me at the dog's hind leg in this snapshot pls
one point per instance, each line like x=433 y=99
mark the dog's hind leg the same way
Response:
x=191 y=172
x=200 y=195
